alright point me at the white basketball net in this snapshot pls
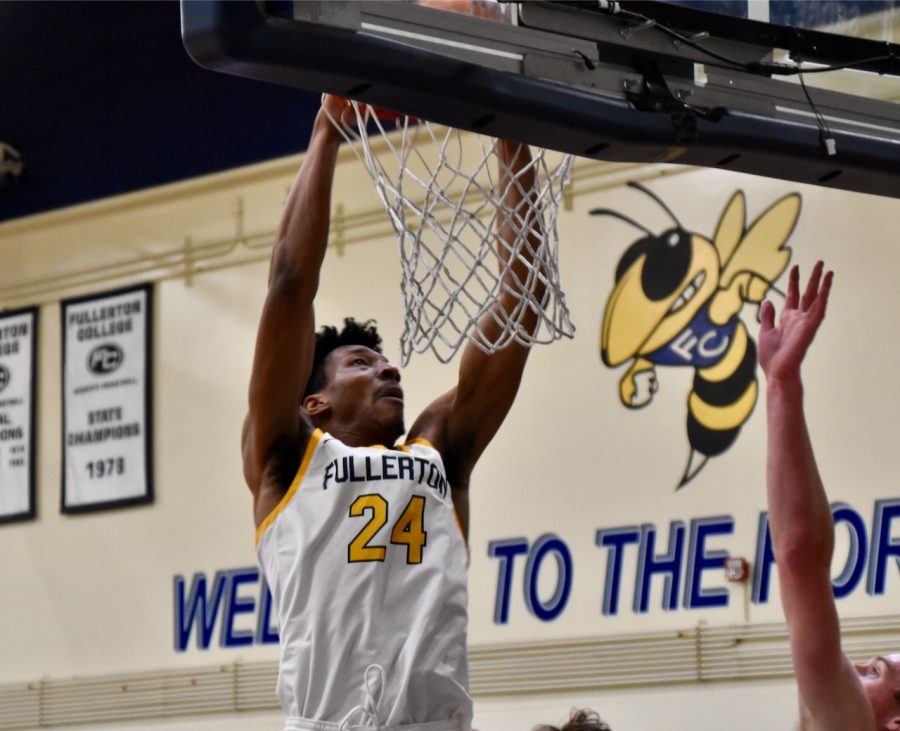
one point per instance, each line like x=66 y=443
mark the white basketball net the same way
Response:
x=448 y=220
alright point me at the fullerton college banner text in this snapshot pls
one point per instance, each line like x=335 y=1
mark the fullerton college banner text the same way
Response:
x=107 y=403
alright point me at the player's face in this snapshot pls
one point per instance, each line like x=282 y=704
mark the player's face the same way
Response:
x=363 y=385
x=881 y=681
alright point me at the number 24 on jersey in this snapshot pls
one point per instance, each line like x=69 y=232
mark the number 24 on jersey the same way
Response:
x=409 y=530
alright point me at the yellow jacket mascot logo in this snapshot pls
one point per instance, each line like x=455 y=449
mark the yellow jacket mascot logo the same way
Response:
x=677 y=301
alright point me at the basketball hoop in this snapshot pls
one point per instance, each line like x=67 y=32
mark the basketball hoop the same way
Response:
x=439 y=186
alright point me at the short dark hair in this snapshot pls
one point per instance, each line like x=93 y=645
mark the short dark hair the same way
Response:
x=580 y=720
x=329 y=338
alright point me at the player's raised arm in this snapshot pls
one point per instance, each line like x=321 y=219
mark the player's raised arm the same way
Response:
x=285 y=340
x=831 y=695
x=462 y=422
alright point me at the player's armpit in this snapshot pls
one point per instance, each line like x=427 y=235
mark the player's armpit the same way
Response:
x=458 y=454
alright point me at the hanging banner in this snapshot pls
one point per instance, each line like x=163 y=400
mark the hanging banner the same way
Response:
x=107 y=400
x=18 y=336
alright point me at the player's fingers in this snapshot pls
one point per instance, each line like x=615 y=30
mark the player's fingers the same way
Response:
x=822 y=300
x=338 y=108
x=812 y=287
x=767 y=316
x=793 y=292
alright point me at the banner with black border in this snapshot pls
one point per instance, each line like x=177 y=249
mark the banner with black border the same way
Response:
x=107 y=400
x=18 y=357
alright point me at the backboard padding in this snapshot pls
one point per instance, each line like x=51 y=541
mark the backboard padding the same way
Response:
x=614 y=99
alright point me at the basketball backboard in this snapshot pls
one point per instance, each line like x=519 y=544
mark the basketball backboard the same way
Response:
x=627 y=82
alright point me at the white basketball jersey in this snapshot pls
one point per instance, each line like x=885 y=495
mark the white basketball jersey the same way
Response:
x=367 y=567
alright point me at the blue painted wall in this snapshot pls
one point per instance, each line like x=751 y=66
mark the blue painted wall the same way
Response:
x=100 y=98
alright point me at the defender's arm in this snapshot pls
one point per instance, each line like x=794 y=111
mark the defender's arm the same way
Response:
x=831 y=695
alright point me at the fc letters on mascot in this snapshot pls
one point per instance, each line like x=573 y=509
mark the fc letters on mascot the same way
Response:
x=18 y=335
x=107 y=400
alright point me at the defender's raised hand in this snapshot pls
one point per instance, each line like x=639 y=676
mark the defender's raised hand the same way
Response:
x=782 y=347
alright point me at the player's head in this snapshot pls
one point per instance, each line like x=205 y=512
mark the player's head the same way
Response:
x=352 y=384
x=579 y=720
x=881 y=681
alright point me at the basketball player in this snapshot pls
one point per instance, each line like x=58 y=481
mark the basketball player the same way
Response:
x=835 y=694
x=363 y=542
